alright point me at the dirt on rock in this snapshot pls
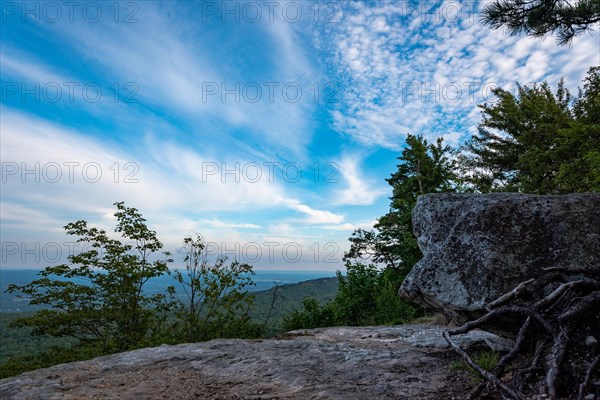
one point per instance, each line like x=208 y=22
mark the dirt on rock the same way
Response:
x=402 y=362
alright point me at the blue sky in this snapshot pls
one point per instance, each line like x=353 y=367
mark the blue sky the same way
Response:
x=267 y=127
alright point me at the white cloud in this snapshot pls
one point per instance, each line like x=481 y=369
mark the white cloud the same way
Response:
x=178 y=73
x=30 y=70
x=343 y=227
x=358 y=190
x=315 y=216
x=349 y=227
x=220 y=224
x=281 y=229
x=403 y=66
x=18 y=215
x=170 y=188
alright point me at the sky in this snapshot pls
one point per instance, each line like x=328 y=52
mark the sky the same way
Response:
x=267 y=127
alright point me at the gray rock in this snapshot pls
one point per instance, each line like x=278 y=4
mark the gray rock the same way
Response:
x=400 y=362
x=414 y=335
x=478 y=247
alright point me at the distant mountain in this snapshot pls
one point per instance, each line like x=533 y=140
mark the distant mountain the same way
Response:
x=263 y=280
x=288 y=297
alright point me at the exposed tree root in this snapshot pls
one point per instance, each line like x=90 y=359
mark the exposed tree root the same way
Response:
x=557 y=311
x=588 y=376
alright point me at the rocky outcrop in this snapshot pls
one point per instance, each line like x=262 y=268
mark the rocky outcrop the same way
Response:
x=399 y=362
x=478 y=247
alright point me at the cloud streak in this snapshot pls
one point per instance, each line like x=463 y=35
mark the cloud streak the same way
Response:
x=358 y=190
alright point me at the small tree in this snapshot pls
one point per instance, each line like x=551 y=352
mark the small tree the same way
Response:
x=217 y=296
x=312 y=315
x=99 y=299
x=356 y=302
x=369 y=296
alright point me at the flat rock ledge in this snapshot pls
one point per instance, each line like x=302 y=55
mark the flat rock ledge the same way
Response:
x=384 y=362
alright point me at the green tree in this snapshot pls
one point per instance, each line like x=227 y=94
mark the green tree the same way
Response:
x=312 y=315
x=538 y=18
x=579 y=143
x=424 y=168
x=99 y=299
x=365 y=296
x=537 y=141
x=356 y=298
x=218 y=299
x=391 y=308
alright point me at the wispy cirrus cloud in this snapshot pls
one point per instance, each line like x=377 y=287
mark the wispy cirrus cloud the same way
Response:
x=175 y=73
x=221 y=224
x=29 y=69
x=66 y=164
x=358 y=190
x=314 y=216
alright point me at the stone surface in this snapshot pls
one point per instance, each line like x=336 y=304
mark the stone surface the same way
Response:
x=478 y=247
x=395 y=362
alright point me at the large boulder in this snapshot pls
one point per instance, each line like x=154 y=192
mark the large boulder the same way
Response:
x=478 y=247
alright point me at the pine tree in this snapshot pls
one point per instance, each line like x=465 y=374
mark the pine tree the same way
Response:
x=537 y=141
x=538 y=18
x=424 y=168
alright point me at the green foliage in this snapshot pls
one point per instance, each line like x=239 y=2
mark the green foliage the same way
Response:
x=536 y=142
x=218 y=298
x=485 y=359
x=365 y=296
x=313 y=315
x=47 y=358
x=391 y=309
x=355 y=300
x=579 y=143
x=16 y=342
x=98 y=300
x=511 y=151
x=368 y=296
x=537 y=18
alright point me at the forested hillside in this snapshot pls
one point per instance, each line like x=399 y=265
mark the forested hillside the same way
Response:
x=289 y=298
x=18 y=341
